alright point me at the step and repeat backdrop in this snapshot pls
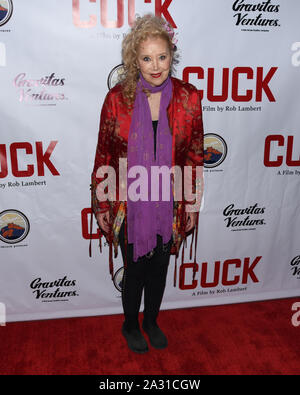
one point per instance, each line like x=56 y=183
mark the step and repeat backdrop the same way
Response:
x=57 y=61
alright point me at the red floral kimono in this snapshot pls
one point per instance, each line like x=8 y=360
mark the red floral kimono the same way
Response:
x=185 y=121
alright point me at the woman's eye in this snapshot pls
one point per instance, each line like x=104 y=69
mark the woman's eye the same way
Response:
x=146 y=59
x=163 y=57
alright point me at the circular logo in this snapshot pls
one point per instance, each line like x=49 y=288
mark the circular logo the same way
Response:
x=114 y=75
x=215 y=150
x=118 y=279
x=14 y=226
x=6 y=9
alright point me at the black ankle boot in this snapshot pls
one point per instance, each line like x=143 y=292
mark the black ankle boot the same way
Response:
x=156 y=336
x=135 y=340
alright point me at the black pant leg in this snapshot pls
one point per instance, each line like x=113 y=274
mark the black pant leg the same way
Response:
x=155 y=282
x=148 y=274
x=132 y=284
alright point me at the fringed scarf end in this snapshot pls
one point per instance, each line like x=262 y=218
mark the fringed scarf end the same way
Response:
x=91 y=233
x=111 y=263
x=175 y=271
x=90 y=248
x=100 y=242
x=125 y=237
x=195 y=266
x=191 y=248
x=184 y=244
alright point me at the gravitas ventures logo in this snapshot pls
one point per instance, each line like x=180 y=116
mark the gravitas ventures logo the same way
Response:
x=247 y=218
x=47 y=90
x=256 y=16
x=295 y=263
x=53 y=291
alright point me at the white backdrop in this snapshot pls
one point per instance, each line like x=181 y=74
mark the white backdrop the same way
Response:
x=55 y=61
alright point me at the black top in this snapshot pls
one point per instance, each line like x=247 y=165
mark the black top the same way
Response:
x=154 y=123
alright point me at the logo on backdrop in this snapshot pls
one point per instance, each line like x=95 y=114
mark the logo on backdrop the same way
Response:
x=45 y=91
x=223 y=278
x=118 y=279
x=295 y=267
x=114 y=75
x=38 y=158
x=215 y=150
x=259 y=16
x=60 y=290
x=230 y=86
x=86 y=15
x=249 y=218
x=14 y=226
x=6 y=9
x=279 y=151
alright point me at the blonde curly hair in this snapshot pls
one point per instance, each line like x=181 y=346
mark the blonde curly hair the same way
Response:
x=144 y=27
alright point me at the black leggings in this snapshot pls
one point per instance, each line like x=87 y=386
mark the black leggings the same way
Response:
x=148 y=274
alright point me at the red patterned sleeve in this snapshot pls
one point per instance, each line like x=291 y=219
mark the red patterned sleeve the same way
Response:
x=103 y=150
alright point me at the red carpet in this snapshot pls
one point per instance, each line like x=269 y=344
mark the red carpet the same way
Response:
x=247 y=338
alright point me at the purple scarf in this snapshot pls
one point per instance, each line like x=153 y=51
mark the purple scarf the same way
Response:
x=146 y=218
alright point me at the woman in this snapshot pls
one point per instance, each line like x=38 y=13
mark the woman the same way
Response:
x=151 y=119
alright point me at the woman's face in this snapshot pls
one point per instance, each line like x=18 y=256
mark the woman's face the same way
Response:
x=154 y=60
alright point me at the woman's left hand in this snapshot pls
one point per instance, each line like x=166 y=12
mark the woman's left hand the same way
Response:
x=190 y=219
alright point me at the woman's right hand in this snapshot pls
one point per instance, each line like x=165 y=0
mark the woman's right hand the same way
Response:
x=103 y=221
